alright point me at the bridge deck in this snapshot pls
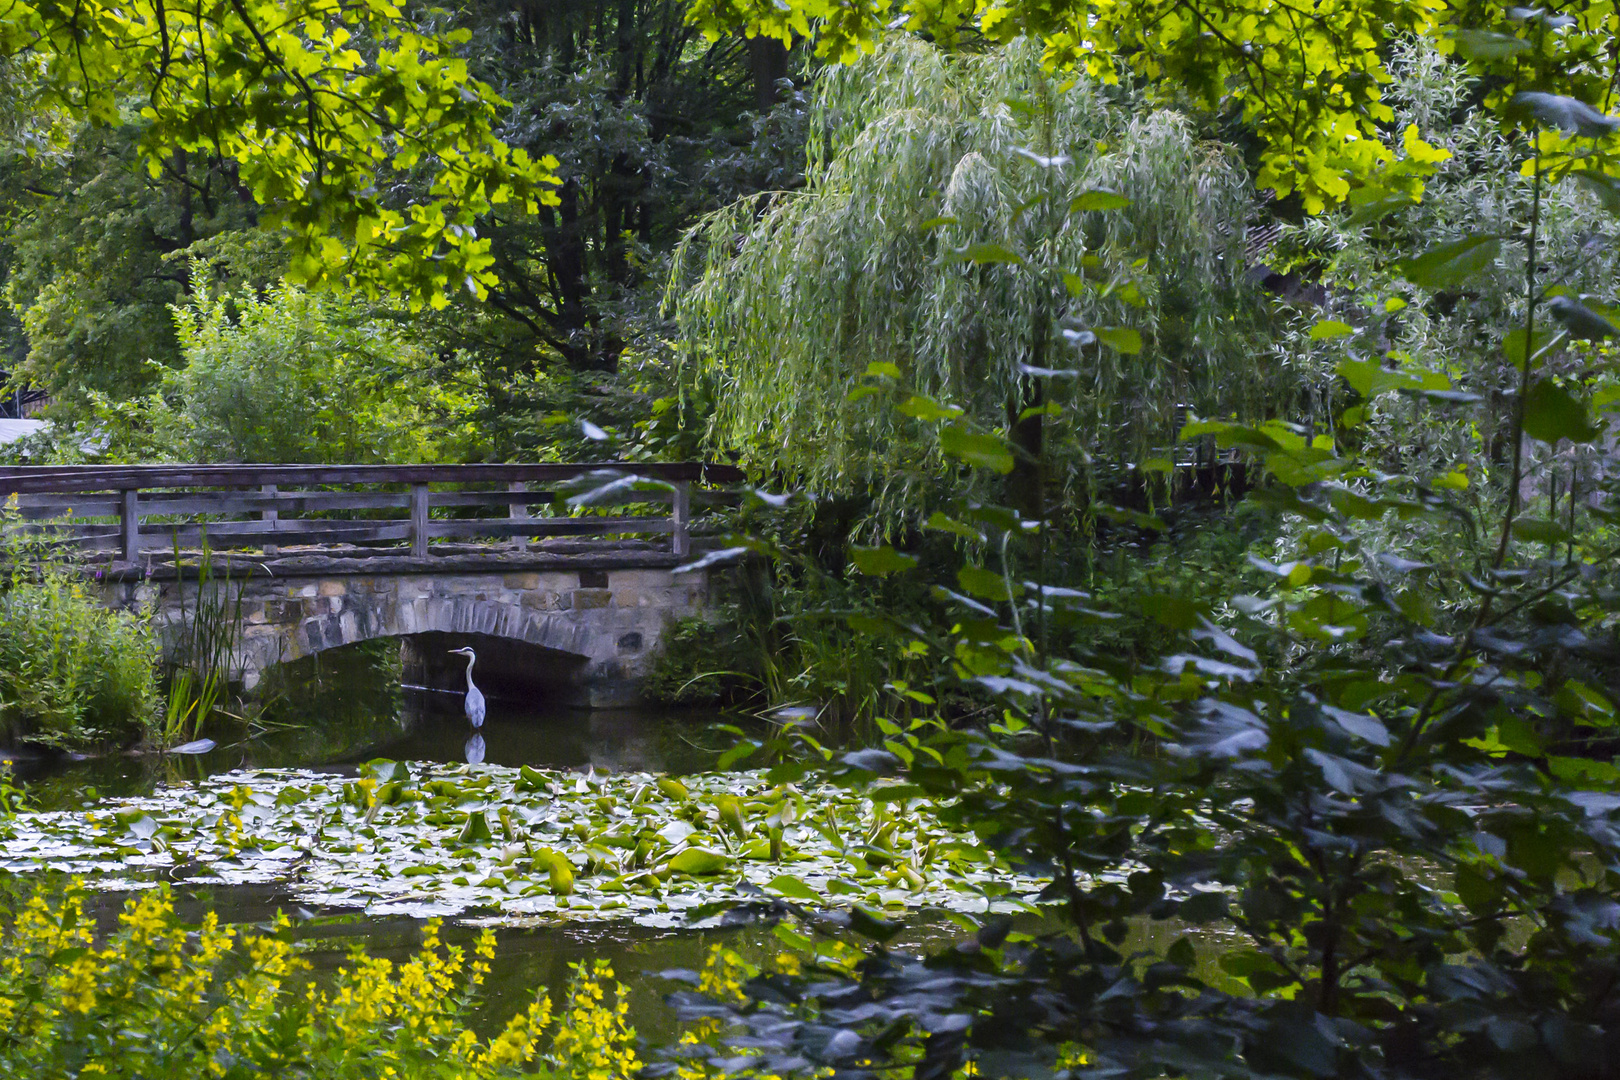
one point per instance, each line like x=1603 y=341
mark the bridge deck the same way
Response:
x=393 y=518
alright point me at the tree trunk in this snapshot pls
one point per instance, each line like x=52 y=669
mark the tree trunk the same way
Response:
x=768 y=65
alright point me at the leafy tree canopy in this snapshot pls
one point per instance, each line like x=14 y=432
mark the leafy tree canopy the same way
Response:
x=326 y=109
x=974 y=231
x=1308 y=76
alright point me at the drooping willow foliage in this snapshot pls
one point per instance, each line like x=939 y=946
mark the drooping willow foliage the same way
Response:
x=785 y=304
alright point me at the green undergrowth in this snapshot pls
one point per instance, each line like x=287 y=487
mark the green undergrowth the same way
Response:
x=73 y=674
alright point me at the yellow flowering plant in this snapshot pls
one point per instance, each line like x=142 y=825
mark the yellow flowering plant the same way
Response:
x=160 y=997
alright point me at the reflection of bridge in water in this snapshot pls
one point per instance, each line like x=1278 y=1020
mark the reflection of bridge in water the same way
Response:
x=522 y=561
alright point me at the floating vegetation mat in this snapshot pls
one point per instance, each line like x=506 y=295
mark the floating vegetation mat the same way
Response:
x=526 y=845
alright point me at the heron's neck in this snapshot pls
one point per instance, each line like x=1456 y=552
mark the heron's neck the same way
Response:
x=471 y=660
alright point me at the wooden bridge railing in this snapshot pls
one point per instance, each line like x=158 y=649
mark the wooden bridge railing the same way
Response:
x=133 y=508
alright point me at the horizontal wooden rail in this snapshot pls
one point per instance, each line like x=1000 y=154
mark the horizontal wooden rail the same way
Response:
x=136 y=508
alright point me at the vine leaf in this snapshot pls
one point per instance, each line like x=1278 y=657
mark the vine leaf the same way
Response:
x=1098 y=199
x=1488 y=44
x=1582 y=322
x=1119 y=338
x=1602 y=185
x=1565 y=113
x=881 y=560
x=1551 y=413
x=1447 y=265
x=979 y=451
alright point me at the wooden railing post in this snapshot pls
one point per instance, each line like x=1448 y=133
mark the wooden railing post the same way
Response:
x=681 y=519
x=519 y=512
x=419 y=520
x=129 y=524
x=270 y=515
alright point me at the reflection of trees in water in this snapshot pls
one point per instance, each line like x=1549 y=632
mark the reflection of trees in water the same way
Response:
x=326 y=706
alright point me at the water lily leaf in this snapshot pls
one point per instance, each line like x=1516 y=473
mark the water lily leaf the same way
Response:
x=793 y=889
x=698 y=862
x=196 y=746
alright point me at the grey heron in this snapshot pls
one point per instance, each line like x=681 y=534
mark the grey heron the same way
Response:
x=475 y=698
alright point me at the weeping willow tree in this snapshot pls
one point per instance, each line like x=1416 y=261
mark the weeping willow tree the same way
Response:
x=968 y=223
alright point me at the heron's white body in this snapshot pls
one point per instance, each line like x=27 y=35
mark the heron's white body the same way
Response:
x=475 y=698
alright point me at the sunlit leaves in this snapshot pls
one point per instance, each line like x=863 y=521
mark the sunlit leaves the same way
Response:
x=310 y=123
x=1329 y=329
x=1098 y=199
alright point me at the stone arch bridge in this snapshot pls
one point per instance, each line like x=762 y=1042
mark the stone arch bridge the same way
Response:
x=310 y=558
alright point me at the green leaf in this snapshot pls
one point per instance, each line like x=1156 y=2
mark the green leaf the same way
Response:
x=1605 y=187
x=794 y=889
x=1551 y=413
x=1488 y=44
x=1517 y=352
x=1447 y=265
x=1539 y=531
x=1175 y=612
x=881 y=560
x=945 y=523
x=476 y=831
x=698 y=861
x=1119 y=338
x=989 y=253
x=928 y=410
x=1328 y=329
x=1098 y=199
x=1565 y=113
x=983 y=583
x=980 y=451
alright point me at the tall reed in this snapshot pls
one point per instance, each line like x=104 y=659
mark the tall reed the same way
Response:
x=200 y=663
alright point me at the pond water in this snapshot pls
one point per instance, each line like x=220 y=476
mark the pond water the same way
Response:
x=329 y=715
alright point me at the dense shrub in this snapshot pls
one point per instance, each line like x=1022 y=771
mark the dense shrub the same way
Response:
x=72 y=673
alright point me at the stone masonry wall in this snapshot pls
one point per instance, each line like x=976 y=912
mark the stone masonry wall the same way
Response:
x=614 y=618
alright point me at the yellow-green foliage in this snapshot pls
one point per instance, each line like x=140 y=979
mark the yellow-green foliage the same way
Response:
x=161 y=998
